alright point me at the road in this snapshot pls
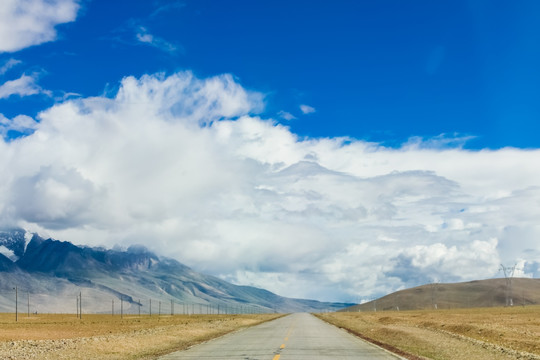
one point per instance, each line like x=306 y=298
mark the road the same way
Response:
x=293 y=337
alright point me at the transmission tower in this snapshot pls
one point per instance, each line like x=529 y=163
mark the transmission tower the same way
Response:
x=508 y=275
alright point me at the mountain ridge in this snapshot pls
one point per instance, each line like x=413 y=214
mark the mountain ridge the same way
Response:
x=54 y=272
x=470 y=294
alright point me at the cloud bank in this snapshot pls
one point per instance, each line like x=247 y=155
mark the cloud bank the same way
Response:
x=184 y=166
x=24 y=23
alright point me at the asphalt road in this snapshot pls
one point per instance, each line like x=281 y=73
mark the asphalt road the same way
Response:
x=294 y=337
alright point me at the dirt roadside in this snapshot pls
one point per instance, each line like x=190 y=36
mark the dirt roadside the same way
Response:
x=104 y=337
x=490 y=333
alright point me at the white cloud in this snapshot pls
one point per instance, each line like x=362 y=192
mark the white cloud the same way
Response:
x=24 y=23
x=8 y=253
x=167 y=8
x=286 y=115
x=145 y=37
x=306 y=109
x=184 y=166
x=438 y=142
x=8 y=65
x=24 y=86
x=21 y=123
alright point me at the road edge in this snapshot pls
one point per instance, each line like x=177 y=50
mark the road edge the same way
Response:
x=401 y=354
x=164 y=355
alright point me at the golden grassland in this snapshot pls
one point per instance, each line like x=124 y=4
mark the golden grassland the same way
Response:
x=112 y=337
x=478 y=333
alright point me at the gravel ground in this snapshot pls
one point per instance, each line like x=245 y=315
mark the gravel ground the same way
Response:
x=121 y=340
x=479 y=334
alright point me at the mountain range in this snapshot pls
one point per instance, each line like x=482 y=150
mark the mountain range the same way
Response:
x=51 y=276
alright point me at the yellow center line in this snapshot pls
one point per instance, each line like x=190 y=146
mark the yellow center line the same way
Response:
x=276 y=357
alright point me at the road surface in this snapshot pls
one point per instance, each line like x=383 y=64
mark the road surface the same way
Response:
x=294 y=337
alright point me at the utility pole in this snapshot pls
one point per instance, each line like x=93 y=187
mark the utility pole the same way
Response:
x=150 y=307
x=28 y=293
x=121 y=307
x=80 y=305
x=434 y=288
x=112 y=309
x=16 y=304
x=508 y=275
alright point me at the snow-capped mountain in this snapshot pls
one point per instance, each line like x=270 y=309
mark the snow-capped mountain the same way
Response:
x=53 y=272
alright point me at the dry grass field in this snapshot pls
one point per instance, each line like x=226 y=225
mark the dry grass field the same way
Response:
x=480 y=333
x=108 y=337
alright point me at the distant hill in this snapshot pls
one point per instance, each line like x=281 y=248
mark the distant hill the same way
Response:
x=49 y=274
x=480 y=293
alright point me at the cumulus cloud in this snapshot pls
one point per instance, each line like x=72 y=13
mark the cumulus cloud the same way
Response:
x=24 y=86
x=54 y=197
x=186 y=167
x=24 y=23
x=21 y=123
x=306 y=109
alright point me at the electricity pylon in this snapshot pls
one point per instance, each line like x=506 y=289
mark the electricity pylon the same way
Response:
x=508 y=275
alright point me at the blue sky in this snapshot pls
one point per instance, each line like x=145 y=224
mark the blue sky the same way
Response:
x=380 y=71
x=334 y=150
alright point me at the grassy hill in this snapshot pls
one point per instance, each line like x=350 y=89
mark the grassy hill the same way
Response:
x=479 y=293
